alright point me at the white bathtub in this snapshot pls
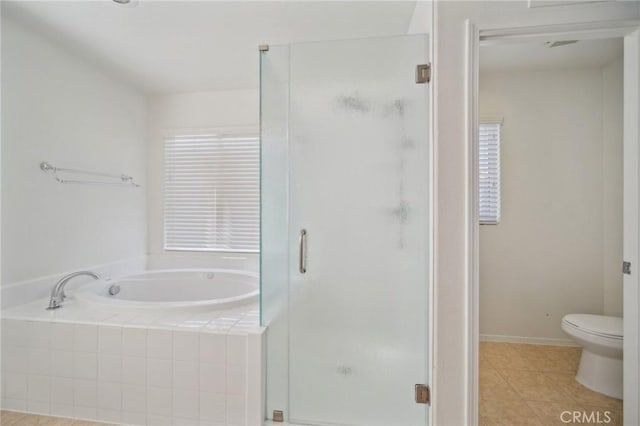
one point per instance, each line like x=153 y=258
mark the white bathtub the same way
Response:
x=174 y=289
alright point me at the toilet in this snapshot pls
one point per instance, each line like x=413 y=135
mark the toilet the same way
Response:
x=601 y=339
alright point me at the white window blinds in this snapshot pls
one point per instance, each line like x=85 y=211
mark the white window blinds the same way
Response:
x=489 y=173
x=212 y=193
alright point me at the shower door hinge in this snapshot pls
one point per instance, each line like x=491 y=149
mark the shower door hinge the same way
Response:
x=626 y=268
x=423 y=73
x=423 y=394
x=278 y=416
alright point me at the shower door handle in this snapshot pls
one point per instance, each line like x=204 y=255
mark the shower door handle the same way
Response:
x=302 y=251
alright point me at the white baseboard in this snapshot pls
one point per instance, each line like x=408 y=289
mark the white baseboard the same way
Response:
x=530 y=340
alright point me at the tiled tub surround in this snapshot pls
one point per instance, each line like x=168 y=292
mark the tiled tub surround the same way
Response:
x=124 y=367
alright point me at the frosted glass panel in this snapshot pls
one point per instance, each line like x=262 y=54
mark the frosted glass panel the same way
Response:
x=357 y=180
x=274 y=250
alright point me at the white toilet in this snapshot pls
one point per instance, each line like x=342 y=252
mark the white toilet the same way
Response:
x=601 y=340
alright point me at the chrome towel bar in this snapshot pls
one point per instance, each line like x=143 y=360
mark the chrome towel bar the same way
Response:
x=111 y=179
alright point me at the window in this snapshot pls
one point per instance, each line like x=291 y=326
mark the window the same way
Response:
x=212 y=193
x=489 y=173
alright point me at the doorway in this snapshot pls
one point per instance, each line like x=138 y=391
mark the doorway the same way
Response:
x=550 y=204
x=630 y=136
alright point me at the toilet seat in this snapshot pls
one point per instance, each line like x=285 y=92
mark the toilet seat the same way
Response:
x=596 y=325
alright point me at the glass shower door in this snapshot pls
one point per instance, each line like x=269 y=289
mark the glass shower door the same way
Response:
x=357 y=164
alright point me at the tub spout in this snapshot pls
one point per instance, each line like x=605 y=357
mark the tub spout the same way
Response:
x=57 y=293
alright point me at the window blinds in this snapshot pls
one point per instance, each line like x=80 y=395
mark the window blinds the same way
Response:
x=212 y=193
x=489 y=173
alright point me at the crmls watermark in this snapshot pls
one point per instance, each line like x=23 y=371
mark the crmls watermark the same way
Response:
x=589 y=417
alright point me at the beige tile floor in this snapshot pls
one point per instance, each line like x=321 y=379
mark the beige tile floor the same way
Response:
x=533 y=384
x=12 y=418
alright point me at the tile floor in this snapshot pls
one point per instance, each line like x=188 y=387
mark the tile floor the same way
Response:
x=12 y=418
x=533 y=385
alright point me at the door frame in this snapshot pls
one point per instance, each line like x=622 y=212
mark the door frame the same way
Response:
x=476 y=34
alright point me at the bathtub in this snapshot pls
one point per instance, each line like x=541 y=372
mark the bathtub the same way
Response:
x=173 y=289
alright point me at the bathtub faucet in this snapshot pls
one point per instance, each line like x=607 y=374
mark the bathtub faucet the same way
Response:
x=57 y=294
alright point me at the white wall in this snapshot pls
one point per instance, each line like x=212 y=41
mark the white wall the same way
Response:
x=422 y=18
x=454 y=382
x=189 y=112
x=546 y=257
x=56 y=107
x=612 y=134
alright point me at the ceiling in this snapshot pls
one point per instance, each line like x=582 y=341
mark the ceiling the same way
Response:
x=185 y=46
x=536 y=56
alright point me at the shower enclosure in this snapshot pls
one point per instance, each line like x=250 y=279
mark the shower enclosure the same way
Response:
x=345 y=230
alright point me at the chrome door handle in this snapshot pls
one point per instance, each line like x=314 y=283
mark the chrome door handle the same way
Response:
x=302 y=252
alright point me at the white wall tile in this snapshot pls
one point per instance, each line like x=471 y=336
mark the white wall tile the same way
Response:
x=236 y=411
x=153 y=420
x=255 y=378
x=110 y=340
x=85 y=365
x=134 y=371
x=15 y=359
x=40 y=335
x=159 y=401
x=110 y=396
x=85 y=338
x=61 y=391
x=62 y=336
x=236 y=349
x=159 y=373
x=213 y=378
x=14 y=404
x=15 y=385
x=186 y=346
x=39 y=362
x=38 y=388
x=85 y=393
x=213 y=348
x=134 y=418
x=86 y=413
x=134 y=399
x=178 y=421
x=37 y=407
x=15 y=332
x=61 y=410
x=134 y=342
x=159 y=344
x=109 y=368
x=109 y=416
x=237 y=379
x=62 y=364
x=186 y=375
x=186 y=404
x=213 y=408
